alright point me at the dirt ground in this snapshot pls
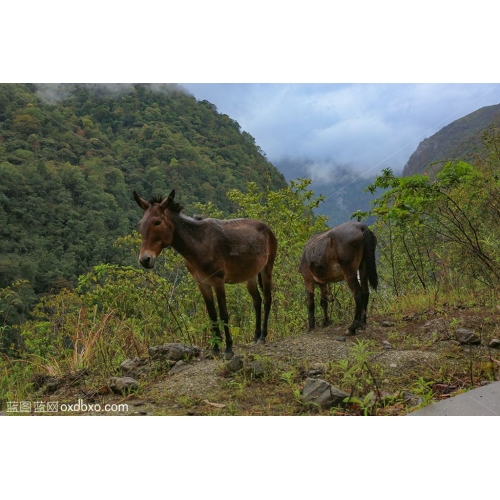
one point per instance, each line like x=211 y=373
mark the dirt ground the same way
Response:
x=418 y=352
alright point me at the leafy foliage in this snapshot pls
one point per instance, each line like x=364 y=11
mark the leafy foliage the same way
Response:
x=441 y=231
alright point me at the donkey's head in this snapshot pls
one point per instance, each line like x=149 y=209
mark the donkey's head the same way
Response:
x=156 y=226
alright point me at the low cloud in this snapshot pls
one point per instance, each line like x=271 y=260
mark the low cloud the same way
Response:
x=366 y=126
x=54 y=92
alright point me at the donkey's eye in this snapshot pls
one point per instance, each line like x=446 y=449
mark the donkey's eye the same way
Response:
x=157 y=222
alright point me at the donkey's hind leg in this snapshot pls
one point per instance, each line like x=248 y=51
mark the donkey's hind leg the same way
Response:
x=357 y=292
x=266 y=282
x=324 y=303
x=309 y=284
x=257 y=305
x=363 y=277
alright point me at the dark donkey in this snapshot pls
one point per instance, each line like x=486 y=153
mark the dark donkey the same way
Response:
x=337 y=255
x=216 y=252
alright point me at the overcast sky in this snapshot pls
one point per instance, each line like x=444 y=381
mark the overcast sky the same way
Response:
x=365 y=126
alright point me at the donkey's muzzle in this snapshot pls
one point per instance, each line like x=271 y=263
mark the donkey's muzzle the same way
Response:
x=147 y=261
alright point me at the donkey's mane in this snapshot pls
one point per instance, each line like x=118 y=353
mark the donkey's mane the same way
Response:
x=175 y=206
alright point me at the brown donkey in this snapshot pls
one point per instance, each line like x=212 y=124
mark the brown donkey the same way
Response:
x=216 y=252
x=337 y=255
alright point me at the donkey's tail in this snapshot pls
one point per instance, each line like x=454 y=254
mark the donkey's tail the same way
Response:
x=369 y=256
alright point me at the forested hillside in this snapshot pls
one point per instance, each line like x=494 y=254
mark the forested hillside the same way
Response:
x=71 y=155
x=461 y=139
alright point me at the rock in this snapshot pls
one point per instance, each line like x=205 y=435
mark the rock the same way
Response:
x=319 y=391
x=235 y=364
x=387 y=324
x=444 y=388
x=494 y=344
x=340 y=338
x=52 y=385
x=173 y=352
x=49 y=384
x=316 y=369
x=134 y=366
x=318 y=366
x=466 y=336
x=437 y=325
x=179 y=366
x=387 y=345
x=131 y=364
x=393 y=365
x=258 y=369
x=123 y=385
x=412 y=399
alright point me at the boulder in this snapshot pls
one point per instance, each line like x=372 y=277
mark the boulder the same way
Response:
x=319 y=391
x=257 y=368
x=235 y=364
x=466 y=336
x=134 y=365
x=123 y=385
x=173 y=352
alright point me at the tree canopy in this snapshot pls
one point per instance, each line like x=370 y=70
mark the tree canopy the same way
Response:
x=71 y=155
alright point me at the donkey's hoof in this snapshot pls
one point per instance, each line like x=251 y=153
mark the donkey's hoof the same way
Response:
x=259 y=341
x=228 y=355
x=213 y=354
x=350 y=332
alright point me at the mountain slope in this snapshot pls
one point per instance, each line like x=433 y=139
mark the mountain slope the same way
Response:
x=71 y=155
x=460 y=139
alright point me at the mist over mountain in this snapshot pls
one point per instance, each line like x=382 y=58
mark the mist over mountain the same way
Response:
x=343 y=186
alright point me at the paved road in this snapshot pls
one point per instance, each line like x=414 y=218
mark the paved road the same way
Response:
x=483 y=401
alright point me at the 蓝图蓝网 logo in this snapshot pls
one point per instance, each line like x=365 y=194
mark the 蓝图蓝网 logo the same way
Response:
x=55 y=406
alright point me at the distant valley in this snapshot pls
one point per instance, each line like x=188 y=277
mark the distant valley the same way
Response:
x=343 y=187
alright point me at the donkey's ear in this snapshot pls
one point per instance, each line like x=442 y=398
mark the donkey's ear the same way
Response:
x=167 y=202
x=141 y=202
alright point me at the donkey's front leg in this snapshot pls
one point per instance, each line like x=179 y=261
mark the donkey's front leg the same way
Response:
x=220 y=292
x=208 y=296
